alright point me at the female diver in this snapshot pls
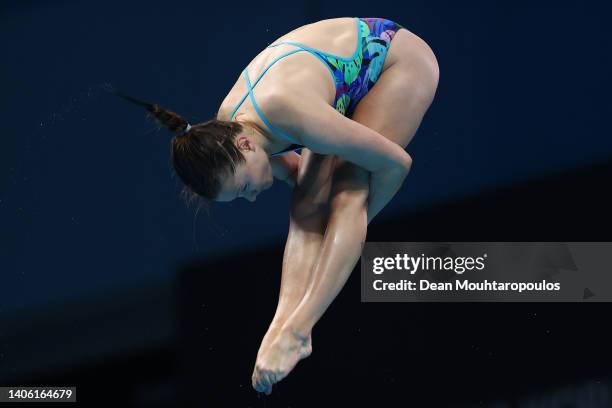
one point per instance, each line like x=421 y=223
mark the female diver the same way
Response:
x=352 y=134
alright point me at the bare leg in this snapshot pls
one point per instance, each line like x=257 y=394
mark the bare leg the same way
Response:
x=308 y=218
x=394 y=108
x=344 y=239
x=337 y=255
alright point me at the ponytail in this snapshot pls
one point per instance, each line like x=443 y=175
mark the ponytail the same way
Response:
x=203 y=154
x=171 y=120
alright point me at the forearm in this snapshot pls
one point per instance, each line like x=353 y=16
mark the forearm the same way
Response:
x=383 y=187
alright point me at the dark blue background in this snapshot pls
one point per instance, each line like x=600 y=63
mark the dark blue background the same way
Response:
x=89 y=206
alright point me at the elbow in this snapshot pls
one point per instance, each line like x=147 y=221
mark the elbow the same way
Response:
x=407 y=163
x=403 y=161
x=402 y=165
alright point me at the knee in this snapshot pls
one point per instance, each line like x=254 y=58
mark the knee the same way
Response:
x=352 y=199
x=349 y=196
x=305 y=206
x=350 y=188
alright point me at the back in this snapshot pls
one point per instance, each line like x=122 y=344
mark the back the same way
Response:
x=336 y=36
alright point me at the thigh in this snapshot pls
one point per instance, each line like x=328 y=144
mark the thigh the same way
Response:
x=321 y=180
x=396 y=104
x=312 y=188
x=314 y=175
x=394 y=107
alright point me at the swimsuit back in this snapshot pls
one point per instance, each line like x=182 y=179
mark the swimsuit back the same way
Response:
x=353 y=76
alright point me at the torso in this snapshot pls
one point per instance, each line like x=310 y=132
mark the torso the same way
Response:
x=337 y=36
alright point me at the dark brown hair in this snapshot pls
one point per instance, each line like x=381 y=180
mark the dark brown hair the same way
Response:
x=202 y=155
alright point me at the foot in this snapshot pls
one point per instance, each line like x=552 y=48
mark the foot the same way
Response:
x=277 y=360
x=271 y=335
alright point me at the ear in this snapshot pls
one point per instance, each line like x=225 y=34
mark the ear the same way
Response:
x=243 y=142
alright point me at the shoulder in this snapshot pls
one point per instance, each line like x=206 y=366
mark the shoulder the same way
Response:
x=299 y=114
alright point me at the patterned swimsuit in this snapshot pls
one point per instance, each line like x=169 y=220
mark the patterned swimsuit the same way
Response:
x=353 y=76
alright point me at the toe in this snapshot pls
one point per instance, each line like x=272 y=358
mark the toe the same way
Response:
x=257 y=381
x=271 y=382
x=266 y=380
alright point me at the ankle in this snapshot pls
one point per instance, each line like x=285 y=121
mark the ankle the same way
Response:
x=299 y=334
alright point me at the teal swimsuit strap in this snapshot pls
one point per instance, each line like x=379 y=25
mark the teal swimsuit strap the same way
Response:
x=257 y=80
x=250 y=93
x=301 y=47
x=260 y=113
x=310 y=50
x=317 y=52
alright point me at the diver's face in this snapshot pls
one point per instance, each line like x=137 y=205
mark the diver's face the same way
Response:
x=251 y=177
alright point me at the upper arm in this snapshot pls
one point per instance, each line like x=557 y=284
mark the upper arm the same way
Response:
x=324 y=130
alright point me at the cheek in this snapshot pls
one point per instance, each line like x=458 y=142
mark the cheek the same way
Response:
x=255 y=174
x=265 y=172
x=269 y=175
